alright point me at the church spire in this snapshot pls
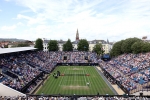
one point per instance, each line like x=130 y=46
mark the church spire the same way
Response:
x=77 y=36
x=107 y=41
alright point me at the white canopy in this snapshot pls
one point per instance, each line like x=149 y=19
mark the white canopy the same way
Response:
x=17 y=49
x=7 y=91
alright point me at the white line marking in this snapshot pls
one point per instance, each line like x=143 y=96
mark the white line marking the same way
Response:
x=88 y=77
x=66 y=79
x=84 y=77
x=76 y=80
x=62 y=78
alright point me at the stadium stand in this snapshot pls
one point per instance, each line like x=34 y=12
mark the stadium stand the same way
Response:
x=130 y=71
x=74 y=98
x=23 y=69
x=105 y=57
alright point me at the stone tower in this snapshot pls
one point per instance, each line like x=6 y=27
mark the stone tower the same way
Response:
x=77 y=36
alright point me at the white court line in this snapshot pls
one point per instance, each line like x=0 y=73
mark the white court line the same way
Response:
x=75 y=80
x=88 y=77
x=62 y=78
x=74 y=77
x=66 y=79
x=84 y=77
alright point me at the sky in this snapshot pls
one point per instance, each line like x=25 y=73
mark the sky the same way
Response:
x=114 y=20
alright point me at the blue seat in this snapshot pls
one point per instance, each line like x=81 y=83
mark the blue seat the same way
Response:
x=134 y=69
x=135 y=79
x=141 y=81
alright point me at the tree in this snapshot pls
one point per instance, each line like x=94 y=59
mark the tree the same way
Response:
x=116 y=50
x=39 y=44
x=145 y=47
x=83 y=45
x=68 y=46
x=64 y=47
x=53 y=45
x=98 y=48
x=126 y=46
x=137 y=47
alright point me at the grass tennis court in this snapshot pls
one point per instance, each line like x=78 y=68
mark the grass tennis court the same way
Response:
x=79 y=80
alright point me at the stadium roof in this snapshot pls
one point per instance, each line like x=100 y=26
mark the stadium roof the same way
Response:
x=7 y=91
x=17 y=49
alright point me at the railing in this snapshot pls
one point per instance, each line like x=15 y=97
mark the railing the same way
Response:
x=9 y=73
x=76 y=97
x=77 y=64
x=30 y=83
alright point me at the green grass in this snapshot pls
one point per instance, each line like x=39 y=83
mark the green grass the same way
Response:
x=75 y=84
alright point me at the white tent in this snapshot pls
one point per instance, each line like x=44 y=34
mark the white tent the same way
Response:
x=7 y=91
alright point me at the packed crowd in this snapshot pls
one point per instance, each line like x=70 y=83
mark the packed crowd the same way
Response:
x=131 y=70
x=23 y=72
x=74 y=98
x=128 y=63
x=141 y=77
x=13 y=98
x=79 y=57
x=1 y=77
x=31 y=87
x=27 y=66
x=48 y=60
x=42 y=60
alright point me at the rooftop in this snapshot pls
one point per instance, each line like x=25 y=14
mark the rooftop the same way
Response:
x=17 y=49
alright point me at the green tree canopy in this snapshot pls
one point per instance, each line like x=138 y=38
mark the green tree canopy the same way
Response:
x=145 y=47
x=126 y=45
x=53 y=45
x=83 y=45
x=68 y=46
x=98 y=48
x=116 y=50
x=39 y=44
x=137 y=47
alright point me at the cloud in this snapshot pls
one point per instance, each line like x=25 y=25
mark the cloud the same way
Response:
x=95 y=19
x=26 y=11
x=0 y=10
x=20 y=24
x=57 y=10
x=31 y=20
x=7 y=0
x=8 y=28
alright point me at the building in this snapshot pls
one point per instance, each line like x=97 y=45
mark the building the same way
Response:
x=45 y=44
x=60 y=44
x=145 y=39
x=106 y=45
x=75 y=43
x=4 y=44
